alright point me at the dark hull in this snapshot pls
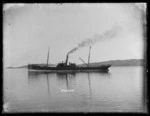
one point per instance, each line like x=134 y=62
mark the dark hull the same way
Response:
x=103 y=68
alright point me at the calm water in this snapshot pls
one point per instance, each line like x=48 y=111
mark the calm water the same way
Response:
x=119 y=90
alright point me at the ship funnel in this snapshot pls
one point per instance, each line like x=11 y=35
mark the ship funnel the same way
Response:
x=67 y=59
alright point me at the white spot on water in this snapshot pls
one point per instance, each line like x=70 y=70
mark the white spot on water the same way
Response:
x=65 y=90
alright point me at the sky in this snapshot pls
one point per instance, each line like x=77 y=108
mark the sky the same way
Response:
x=113 y=30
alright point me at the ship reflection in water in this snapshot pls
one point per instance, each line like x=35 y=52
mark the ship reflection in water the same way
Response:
x=66 y=81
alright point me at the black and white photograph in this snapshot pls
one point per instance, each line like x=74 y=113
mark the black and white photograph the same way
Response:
x=74 y=57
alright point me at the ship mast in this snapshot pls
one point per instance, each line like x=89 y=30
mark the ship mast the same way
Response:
x=47 y=57
x=89 y=56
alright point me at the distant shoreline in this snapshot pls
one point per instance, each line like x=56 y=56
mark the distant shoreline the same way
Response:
x=114 y=63
x=111 y=66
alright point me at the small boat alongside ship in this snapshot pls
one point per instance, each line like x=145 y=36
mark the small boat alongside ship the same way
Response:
x=68 y=67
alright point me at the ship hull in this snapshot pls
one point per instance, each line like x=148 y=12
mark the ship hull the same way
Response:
x=104 y=68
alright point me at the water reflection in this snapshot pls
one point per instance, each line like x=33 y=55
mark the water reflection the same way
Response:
x=48 y=83
x=66 y=80
x=36 y=78
x=90 y=89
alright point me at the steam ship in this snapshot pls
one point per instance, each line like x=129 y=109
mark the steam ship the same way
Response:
x=69 y=67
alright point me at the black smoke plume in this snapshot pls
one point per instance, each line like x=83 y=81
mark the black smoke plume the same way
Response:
x=97 y=38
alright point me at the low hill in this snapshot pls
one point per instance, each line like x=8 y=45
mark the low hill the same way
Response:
x=129 y=62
